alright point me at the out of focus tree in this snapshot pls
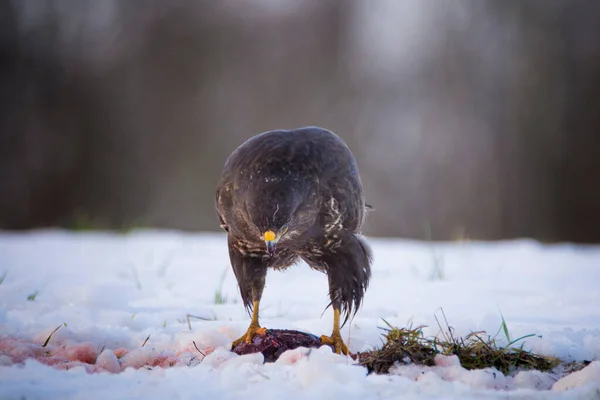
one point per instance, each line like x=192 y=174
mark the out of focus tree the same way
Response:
x=469 y=119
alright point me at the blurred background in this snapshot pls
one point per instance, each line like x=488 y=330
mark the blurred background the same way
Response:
x=469 y=119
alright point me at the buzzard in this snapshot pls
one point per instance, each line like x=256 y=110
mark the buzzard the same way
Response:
x=290 y=195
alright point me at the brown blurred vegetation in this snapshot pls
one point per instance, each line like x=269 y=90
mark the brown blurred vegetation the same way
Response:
x=469 y=118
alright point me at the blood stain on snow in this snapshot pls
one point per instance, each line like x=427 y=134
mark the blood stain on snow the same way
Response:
x=88 y=356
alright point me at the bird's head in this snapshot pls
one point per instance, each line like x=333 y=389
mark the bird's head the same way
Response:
x=282 y=214
x=269 y=206
x=271 y=238
x=279 y=224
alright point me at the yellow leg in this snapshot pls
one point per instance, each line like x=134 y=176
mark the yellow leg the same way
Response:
x=253 y=330
x=336 y=337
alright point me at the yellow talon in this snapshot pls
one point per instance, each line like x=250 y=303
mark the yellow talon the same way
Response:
x=249 y=335
x=335 y=339
x=253 y=330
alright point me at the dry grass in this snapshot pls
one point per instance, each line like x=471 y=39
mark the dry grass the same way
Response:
x=404 y=346
x=475 y=351
x=478 y=351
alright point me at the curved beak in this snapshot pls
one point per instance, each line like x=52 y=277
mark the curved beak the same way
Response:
x=270 y=240
x=270 y=247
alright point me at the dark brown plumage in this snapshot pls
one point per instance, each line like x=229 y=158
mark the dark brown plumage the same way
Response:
x=290 y=195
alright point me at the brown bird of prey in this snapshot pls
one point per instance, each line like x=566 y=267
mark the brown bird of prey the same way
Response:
x=290 y=195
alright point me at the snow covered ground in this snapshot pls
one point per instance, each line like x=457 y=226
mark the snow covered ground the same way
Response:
x=121 y=303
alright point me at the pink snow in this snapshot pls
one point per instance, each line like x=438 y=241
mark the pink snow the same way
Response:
x=89 y=356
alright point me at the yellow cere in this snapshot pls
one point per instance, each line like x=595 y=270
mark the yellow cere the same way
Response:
x=269 y=236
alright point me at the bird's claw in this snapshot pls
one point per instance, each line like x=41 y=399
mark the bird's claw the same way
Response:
x=249 y=335
x=336 y=341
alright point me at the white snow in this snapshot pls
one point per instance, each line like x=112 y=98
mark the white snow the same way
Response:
x=591 y=373
x=111 y=293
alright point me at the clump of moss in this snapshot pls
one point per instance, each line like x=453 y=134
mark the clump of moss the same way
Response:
x=475 y=351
